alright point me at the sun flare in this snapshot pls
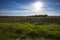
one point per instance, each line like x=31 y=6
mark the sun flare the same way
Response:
x=37 y=6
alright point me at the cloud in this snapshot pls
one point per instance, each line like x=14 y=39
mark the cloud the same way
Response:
x=23 y=7
x=26 y=13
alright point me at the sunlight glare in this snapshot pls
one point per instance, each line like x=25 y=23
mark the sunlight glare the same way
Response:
x=37 y=6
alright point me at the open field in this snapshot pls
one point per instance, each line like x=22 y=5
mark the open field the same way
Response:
x=25 y=19
x=29 y=28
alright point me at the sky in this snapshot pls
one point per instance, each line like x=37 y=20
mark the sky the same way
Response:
x=29 y=7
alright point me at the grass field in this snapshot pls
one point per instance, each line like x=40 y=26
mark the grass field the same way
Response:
x=29 y=28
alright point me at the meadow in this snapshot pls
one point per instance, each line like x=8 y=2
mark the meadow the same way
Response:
x=29 y=28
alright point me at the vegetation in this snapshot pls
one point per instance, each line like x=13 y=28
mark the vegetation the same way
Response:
x=30 y=28
x=31 y=19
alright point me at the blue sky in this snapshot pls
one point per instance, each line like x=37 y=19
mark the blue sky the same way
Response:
x=24 y=7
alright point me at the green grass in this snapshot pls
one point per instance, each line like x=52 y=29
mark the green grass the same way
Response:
x=27 y=31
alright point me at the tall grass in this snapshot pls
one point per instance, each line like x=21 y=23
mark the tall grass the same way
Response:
x=27 y=31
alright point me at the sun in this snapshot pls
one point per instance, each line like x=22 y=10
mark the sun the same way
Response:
x=37 y=6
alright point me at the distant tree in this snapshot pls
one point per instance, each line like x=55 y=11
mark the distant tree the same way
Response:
x=41 y=15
